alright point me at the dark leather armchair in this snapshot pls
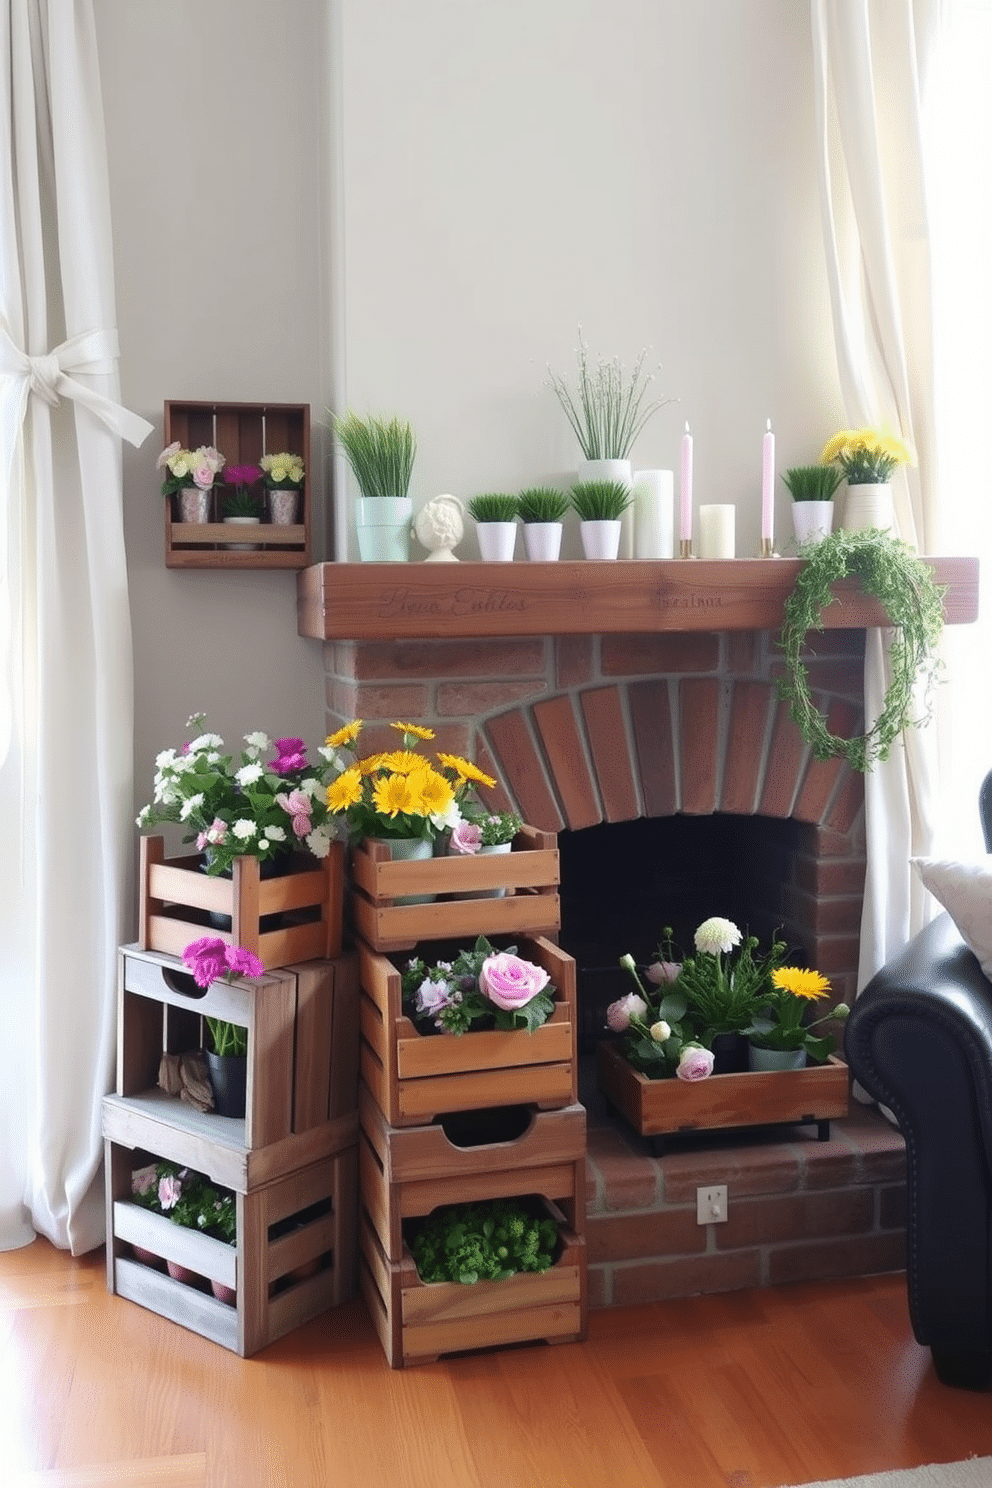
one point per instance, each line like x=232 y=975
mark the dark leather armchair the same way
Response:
x=919 y=1040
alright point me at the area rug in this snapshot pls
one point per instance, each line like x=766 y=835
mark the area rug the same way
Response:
x=976 y=1472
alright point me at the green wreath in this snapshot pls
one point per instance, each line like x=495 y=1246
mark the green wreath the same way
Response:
x=889 y=570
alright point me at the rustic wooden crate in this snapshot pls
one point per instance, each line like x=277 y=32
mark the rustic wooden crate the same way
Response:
x=281 y=1282
x=529 y=874
x=658 y=1108
x=404 y=1173
x=418 y=1321
x=176 y=900
x=243 y=432
x=414 y=1077
x=302 y=1079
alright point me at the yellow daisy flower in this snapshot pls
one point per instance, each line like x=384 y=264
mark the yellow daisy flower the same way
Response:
x=394 y=794
x=465 y=769
x=371 y=764
x=346 y=790
x=346 y=735
x=436 y=792
x=800 y=983
x=415 y=729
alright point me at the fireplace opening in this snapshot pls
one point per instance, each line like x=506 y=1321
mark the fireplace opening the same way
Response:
x=622 y=883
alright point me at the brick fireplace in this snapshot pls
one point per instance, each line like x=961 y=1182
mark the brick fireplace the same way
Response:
x=608 y=694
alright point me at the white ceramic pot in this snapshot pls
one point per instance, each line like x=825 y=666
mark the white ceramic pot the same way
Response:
x=612 y=470
x=496 y=541
x=282 y=507
x=654 y=514
x=407 y=850
x=775 y=1059
x=194 y=504
x=497 y=849
x=543 y=541
x=241 y=547
x=600 y=539
x=812 y=520
x=869 y=505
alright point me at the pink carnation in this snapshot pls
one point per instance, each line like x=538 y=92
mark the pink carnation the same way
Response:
x=292 y=755
x=244 y=963
x=206 y=959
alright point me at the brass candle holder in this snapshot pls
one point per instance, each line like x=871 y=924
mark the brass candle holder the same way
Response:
x=685 y=547
x=768 y=548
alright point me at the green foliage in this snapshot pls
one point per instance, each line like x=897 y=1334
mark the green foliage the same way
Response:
x=380 y=452
x=609 y=411
x=187 y=1198
x=494 y=506
x=722 y=993
x=812 y=482
x=227 y=1038
x=542 y=504
x=496 y=827
x=600 y=501
x=241 y=501
x=887 y=569
x=483 y=1242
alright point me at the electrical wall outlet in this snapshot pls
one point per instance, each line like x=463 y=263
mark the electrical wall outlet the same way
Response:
x=711 y=1205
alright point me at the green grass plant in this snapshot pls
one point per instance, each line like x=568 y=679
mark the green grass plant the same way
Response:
x=380 y=452
x=812 y=482
x=608 y=411
x=542 y=504
x=600 y=501
x=494 y=506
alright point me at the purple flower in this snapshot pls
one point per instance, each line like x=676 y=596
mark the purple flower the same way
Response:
x=206 y=959
x=292 y=756
x=242 y=475
x=243 y=963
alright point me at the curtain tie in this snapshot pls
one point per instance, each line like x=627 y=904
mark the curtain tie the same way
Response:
x=93 y=353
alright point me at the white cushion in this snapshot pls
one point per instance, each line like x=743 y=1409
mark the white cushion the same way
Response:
x=965 y=891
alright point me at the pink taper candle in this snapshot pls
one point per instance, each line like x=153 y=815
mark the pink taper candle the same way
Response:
x=685 y=488
x=768 y=483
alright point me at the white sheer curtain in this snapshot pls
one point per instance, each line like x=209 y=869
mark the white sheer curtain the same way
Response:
x=870 y=60
x=65 y=647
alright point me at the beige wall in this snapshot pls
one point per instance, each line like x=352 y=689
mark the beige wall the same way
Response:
x=498 y=175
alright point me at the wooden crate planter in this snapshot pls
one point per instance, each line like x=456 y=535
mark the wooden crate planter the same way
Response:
x=659 y=1108
x=414 y=1077
x=176 y=900
x=243 y=432
x=302 y=1081
x=418 y=1321
x=283 y=1273
x=529 y=875
x=405 y=1173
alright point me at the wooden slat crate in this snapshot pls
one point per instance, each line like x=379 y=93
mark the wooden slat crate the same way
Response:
x=406 y=1172
x=302 y=1027
x=281 y=1280
x=176 y=901
x=529 y=874
x=243 y=432
x=414 y=1077
x=657 y=1108
x=417 y=1322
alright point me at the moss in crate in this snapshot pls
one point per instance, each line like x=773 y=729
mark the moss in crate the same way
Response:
x=488 y=1241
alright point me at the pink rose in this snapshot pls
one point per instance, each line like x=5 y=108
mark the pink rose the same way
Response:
x=660 y=972
x=696 y=1063
x=510 y=982
x=299 y=806
x=169 y=1192
x=619 y=1013
x=203 y=476
x=466 y=837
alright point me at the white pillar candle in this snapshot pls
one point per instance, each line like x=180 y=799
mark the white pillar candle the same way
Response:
x=654 y=514
x=716 y=531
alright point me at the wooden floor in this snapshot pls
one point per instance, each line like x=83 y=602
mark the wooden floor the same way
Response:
x=741 y=1390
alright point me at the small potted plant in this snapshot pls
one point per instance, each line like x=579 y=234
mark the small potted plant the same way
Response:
x=381 y=453
x=188 y=1199
x=542 y=510
x=778 y=1037
x=283 y=476
x=189 y=476
x=812 y=490
x=867 y=458
x=600 y=506
x=210 y=959
x=241 y=504
x=484 y=833
x=495 y=517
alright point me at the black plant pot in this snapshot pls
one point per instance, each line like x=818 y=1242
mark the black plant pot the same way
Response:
x=730 y=1055
x=229 y=1081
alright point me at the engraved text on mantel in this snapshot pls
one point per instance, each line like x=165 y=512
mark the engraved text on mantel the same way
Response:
x=463 y=601
x=690 y=601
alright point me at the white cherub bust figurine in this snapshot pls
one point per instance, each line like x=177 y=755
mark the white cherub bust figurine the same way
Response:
x=439 y=527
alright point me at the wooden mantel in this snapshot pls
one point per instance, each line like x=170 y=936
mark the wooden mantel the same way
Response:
x=392 y=601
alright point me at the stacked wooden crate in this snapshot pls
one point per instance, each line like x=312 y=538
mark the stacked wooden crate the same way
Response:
x=419 y=1093
x=291 y=1161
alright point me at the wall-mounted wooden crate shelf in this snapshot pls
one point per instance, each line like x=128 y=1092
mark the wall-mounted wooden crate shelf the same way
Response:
x=243 y=432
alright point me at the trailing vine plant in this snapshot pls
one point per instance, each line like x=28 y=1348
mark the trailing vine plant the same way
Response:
x=889 y=570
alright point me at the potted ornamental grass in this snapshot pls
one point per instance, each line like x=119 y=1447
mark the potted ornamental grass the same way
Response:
x=241 y=501
x=381 y=452
x=495 y=516
x=812 y=489
x=600 y=506
x=607 y=410
x=542 y=510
